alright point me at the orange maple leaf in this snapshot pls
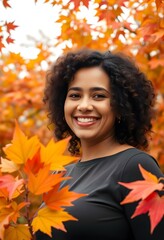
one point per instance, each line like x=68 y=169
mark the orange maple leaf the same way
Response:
x=154 y=63
x=143 y=188
x=154 y=204
x=44 y=180
x=15 y=210
x=48 y=218
x=17 y=232
x=53 y=154
x=34 y=165
x=4 y=220
x=4 y=193
x=159 y=35
x=21 y=148
x=6 y=4
x=158 y=3
x=10 y=26
x=56 y=199
x=10 y=183
x=77 y=3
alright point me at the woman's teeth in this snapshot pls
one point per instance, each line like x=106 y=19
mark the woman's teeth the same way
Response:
x=85 y=119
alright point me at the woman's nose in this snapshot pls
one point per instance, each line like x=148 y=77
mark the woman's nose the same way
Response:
x=85 y=105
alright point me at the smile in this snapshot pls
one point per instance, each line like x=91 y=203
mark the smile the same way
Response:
x=86 y=120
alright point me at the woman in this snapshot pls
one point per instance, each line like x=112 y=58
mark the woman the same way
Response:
x=106 y=104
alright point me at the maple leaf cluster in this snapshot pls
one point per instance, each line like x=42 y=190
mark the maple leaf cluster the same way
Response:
x=147 y=192
x=27 y=180
x=8 y=26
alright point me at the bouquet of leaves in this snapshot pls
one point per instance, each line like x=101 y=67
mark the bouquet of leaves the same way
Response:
x=27 y=179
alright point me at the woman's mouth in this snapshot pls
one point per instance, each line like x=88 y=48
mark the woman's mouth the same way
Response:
x=86 y=121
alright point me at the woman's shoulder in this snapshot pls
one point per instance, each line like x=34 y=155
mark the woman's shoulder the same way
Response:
x=136 y=158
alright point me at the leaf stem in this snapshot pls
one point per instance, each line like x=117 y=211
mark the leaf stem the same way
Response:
x=27 y=215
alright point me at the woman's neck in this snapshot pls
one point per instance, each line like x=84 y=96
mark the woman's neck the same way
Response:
x=104 y=148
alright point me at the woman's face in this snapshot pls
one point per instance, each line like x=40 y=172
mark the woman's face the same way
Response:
x=87 y=106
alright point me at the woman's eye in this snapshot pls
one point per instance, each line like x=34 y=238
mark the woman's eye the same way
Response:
x=99 y=96
x=74 y=96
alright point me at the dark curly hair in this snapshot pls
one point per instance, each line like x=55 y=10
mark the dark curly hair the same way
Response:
x=132 y=95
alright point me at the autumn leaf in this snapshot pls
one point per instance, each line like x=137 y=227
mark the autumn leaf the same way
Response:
x=21 y=148
x=3 y=203
x=10 y=183
x=6 y=4
x=15 y=208
x=9 y=40
x=47 y=218
x=154 y=63
x=77 y=3
x=34 y=165
x=4 y=193
x=44 y=180
x=8 y=166
x=56 y=199
x=53 y=154
x=158 y=3
x=143 y=188
x=154 y=205
x=150 y=201
x=17 y=232
x=10 y=26
x=4 y=220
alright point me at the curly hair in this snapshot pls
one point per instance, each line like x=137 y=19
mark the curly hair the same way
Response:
x=132 y=97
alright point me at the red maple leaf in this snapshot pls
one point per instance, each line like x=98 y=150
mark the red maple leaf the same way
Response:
x=143 y=188
x=154 y=204
x=34 y=165
x=9 y=40
x=10 y=26
x=6 y=4
x=150 y=201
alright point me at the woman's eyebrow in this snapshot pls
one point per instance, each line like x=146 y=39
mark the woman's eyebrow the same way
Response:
x=92 y=89
x=99 y=89
x=74 y=89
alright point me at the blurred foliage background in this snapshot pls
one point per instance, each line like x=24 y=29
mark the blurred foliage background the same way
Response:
x=135 y=28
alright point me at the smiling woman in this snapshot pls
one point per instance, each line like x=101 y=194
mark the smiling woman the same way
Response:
x=87 y=106
x=105 y=104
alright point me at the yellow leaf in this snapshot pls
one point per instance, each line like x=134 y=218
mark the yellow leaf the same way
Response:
x=148 y=176
x=43 y=181
x=21 y=148
x=48 y=218
x=4 y=220
x=53 y=154
x=8 y=166
x=17 y=232
x=60 y=161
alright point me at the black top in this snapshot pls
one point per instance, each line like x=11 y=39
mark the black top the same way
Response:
x=100 y=215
